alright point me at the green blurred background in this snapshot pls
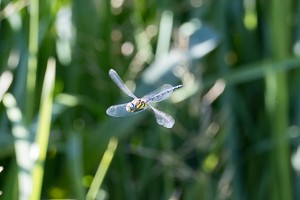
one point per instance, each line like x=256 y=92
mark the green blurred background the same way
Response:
x=237 y=116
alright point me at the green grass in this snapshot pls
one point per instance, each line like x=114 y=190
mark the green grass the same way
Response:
x=237 y=116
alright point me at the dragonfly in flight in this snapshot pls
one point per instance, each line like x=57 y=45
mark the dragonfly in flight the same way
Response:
x=140 y=104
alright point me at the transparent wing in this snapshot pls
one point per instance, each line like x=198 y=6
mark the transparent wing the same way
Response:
x=163 y=118
x=161 y=93
x=118 y=81
x=120 y=111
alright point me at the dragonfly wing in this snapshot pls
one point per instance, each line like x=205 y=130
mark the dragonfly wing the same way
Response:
x=118 y=81
x=120 y=111
x=159 y=94
x=117 y=110
x=163 y=118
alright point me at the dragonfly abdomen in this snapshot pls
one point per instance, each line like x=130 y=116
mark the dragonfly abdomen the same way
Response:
x=164 y=94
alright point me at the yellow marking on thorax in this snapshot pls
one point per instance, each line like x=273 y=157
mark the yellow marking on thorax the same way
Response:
x=139 y=103
x=136 y=105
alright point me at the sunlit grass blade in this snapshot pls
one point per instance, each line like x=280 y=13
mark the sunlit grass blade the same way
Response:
x=40 y=146
x=102 y=169
x=5 y=81
x=21 y=144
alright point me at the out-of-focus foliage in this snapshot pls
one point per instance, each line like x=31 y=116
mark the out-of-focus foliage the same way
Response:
x=236 y=134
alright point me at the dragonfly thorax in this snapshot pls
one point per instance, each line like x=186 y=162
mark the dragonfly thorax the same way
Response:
x=136 y=105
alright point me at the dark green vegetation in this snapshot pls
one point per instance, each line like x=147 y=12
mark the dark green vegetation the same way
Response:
x=236 y=134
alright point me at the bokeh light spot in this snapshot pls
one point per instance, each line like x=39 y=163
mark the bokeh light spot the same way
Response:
x=116 y=35
x=87 y=180
x=127 y=48
x=210 y=163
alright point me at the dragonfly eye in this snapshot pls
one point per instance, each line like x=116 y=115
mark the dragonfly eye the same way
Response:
x=130 y=107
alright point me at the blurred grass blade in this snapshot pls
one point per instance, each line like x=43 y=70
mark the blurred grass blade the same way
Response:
x=32 y=60
x=254 y=71
x=12 y=8
x=21 y=143
x=277 y=102
x=102 y=169
x=199 y=46
x=75 y=163
x=165 y=33
x=43 y=129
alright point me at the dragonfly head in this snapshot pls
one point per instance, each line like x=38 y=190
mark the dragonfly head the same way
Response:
x=130 y=107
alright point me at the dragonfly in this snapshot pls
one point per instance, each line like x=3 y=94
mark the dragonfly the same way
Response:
x=140 y=104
